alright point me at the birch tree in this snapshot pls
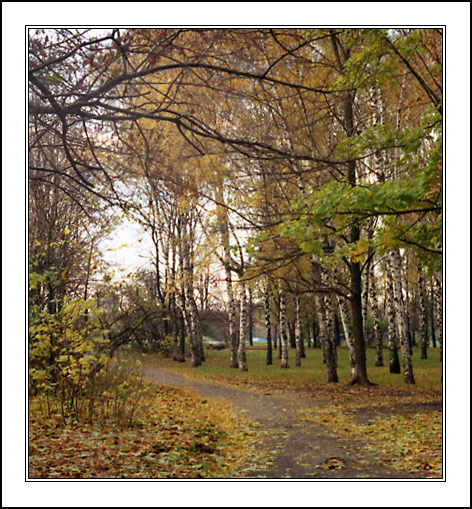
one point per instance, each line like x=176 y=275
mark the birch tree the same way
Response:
x=283 y=330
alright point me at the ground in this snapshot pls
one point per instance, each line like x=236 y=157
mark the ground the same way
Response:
x=296 y=446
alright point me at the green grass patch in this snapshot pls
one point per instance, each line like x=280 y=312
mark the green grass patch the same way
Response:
x=427 y=371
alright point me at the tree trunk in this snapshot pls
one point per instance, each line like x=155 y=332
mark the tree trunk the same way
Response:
x=196 y=326
x=222 y=218
x=178 y=325
x=326 y=329
x=283 y=332
x=250 y=318
x=187 y=302
x=406 y=294
x=298 y=332
x=401 y=317
x=347 y=333
x=268 y=325
x=433 y=315
x=337 y=332
x=394 y=360
x=360 y=370
x=315 y=333
x=188 y=328
x=242 y=362
x=309 y=337
x=233 y=337
x=181 y=355
x=438 y=312
x=365 y=299
x=376 y=316
x=422 y=318
x=291 y=334
x=360 y=374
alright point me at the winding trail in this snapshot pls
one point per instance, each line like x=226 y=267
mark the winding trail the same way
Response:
x=299 y=449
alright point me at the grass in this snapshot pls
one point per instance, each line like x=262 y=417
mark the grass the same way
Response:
x=427 y=372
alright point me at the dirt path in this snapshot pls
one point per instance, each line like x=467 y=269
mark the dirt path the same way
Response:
x=299 y=449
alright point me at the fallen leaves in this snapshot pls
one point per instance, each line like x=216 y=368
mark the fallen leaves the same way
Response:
x=178 y=435
x=411 y=443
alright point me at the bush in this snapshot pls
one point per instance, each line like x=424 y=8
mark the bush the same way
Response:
x=71 y=369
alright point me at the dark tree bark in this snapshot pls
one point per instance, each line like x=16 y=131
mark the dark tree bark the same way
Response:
x=250 y=311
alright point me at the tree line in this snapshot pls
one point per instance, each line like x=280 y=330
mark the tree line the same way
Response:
x=300 y=168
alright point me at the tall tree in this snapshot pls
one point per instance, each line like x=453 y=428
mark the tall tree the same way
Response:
x=283 y=330
x=268 y=323
x=422 y=329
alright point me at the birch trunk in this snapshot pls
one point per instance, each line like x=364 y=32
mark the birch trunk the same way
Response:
x=268 y=324
x=242 y=361
x=433 y=314
x=196 y=326
x=188 y=328
x=181 y=327
x=438 y=313
x=298 y=332
x=326 y=330
x=423 y=329
x=401 y=317
x=182 y=292
x=347 y=333
x=394 y=361
x=365 y=299
x=190 y=297
x=233 y=337
x=406 y=293
x=283 y=331
x=179 y=323
x=187 y=303
x=376 y=315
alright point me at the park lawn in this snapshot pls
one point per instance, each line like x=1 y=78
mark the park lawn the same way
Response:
x=312 y=372
x=401 y=424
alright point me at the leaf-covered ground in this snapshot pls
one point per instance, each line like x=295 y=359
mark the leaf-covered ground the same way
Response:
x=298 y=429
x=400 y=425
x=406 y=437
x=178 y=435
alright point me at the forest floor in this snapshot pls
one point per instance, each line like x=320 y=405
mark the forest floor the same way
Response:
x=345 y=433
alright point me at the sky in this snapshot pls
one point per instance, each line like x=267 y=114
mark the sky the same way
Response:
x=128 y=247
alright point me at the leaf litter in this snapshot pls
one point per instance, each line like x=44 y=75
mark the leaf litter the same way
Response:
x=177 y=435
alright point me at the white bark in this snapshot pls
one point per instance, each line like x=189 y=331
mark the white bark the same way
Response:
x=347 y=333
x=298 y=332
x=438 y=312
x=283 y=331
x=400 y=314
x=423 y=331
x=376 y=316
x=242 y=361
x=394 y=361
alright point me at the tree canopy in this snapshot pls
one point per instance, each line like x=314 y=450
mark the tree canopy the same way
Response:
x=297 y=156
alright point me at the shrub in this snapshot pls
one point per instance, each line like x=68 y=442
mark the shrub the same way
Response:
x=71 y=368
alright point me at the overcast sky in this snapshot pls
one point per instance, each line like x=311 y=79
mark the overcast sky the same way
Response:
x=128 y=247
